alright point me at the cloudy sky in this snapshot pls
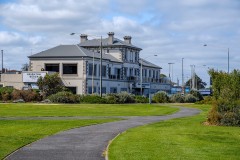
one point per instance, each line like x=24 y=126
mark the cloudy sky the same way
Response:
x=172 y=29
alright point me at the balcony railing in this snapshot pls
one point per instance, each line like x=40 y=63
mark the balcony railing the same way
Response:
x=114 y=76
x=154 y=80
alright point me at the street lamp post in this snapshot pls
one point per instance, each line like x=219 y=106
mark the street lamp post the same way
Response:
x=228 y=63
x=93 y=74
x=228 y=60
x=182 y=78
x=101 y=69
x=2 y=61
x=142 y=72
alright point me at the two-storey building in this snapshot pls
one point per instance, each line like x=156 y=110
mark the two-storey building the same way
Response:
x=79 y=66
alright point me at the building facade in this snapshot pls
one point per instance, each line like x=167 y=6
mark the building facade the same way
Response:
x=79 y=66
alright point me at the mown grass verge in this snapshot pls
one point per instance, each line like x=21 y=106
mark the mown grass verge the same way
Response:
x=17 y=133
x=183 y=138
x=31 y=110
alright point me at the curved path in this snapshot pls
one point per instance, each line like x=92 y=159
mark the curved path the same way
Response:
x=86 y=143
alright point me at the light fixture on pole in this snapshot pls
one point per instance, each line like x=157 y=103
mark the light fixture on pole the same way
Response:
x=142 y=72
x=93 y=73
x=182 y=78
x=228 y=63
x=2 y=61
x=101 y=69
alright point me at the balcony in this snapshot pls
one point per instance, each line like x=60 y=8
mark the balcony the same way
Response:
x=132 y=78
x=114 y=76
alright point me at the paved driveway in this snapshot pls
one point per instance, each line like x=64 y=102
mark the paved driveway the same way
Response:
x=87 y=143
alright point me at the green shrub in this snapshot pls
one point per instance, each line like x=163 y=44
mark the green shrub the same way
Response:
x=189 y=98
x=225 y=113
x=64 y=97
x=26 y=95
x=30 y=95
x=230 y=119
x=125 y=97
x=226 y=92
x=50 y=84
x=177 y=98
x=197 y=95
x=141 y=99
x=214 y=116
x=161 y=97
x=206 y=100
x=16 y=94
x=119 y=98
x=5 y=93
x=92 y=99
x=111 y=98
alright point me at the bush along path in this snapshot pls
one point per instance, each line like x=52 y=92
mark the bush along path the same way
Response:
x=87 y=143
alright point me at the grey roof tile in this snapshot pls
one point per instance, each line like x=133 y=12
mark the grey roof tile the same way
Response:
x=68 y=51
x=97 y=42
x=148 y=64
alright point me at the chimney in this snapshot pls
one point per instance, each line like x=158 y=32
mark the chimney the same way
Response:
x=110 y=37
x=127 y=39
x=83 y=38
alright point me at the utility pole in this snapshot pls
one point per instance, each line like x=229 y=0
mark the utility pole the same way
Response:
x=182 y=78
x=193 y=75
x=170 y=67
x=101 y=70
x=2 y=61
x=228 y=60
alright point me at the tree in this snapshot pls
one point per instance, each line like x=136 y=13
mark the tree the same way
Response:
x=198 y=81
x=25 y=67
x=226 y=93
x=162 y=75
x=50 y=84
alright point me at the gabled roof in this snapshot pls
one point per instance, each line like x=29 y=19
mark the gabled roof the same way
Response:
x=71 y=51
x=116 y=42
x=148 y=64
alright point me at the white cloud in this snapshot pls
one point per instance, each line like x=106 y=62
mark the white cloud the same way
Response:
x=172 y=29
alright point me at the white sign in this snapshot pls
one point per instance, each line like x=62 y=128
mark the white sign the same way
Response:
x=32 y=76
x=144 y=85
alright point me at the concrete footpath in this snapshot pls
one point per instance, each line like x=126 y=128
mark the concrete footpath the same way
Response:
x=87 y=143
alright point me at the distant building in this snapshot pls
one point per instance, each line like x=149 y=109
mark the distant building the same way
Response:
x=79 y=66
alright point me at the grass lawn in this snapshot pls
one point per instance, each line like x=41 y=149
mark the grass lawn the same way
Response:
x=183 y=138
x=26 y=110
x=17 y=133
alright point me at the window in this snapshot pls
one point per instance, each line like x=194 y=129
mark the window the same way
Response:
x=126 y=56
x=123 y=89
x=118 y=72
x=136 y=72
x=104 y=73
x=113 y=90
x=109 y=71
x=103 y=90
x=125 y=71
x=90 y=69
x=52 y=67
x=131 y=72
x=90 y=90
x=72 y=89
x=69 y=68
x=149 y=75
x=136 y=57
